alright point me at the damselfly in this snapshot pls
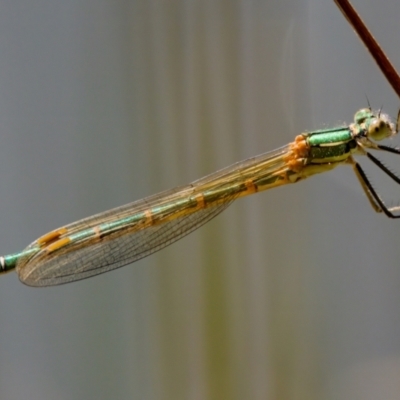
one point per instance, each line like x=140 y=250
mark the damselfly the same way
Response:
x=114 y=238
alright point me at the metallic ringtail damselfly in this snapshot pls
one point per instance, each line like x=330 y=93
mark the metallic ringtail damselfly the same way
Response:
x=126 y=234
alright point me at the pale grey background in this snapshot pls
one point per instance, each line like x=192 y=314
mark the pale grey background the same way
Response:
x=290 y=294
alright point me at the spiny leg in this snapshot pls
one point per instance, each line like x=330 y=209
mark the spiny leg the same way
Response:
x=376 y=202
x=361 y=176
x=385 y=169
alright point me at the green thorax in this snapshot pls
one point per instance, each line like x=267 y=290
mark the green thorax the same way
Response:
x=329 y=137
x=330 y=145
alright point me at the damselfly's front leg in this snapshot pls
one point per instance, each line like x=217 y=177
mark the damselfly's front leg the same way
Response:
x=376 y=202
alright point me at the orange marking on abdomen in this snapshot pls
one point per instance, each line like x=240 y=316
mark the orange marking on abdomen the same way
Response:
x=149 y=217
x=97 y=231
x=296 y=157
x=299 y=147
x=295 y=165
x=58 y=244
x=201 y=203
x=250 y=186
x=51 y=236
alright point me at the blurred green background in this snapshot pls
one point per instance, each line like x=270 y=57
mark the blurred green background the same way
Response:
x=289 y=294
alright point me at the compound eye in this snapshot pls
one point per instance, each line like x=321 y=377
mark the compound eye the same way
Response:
x=361 y=115
x=379 y=130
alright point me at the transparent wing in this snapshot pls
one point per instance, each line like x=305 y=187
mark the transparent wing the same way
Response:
x=126 y=234
x=105 y=256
